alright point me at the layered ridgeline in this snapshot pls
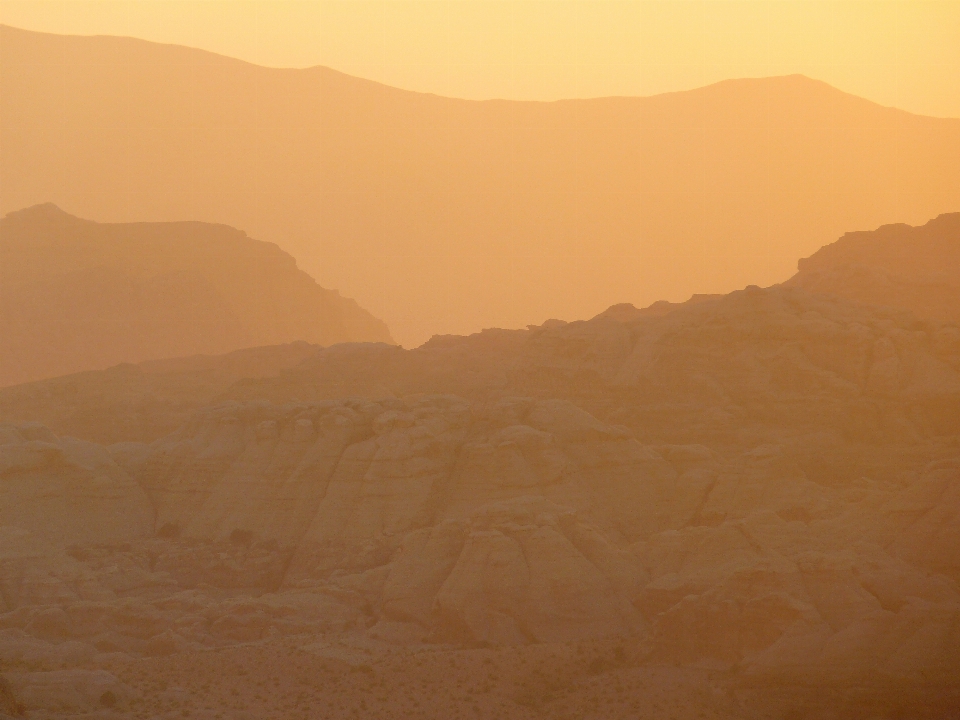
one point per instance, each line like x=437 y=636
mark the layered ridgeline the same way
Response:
x=445 y=216
x=80 y=295
x=146 y=400
x=917 y=268
x=773 y=503
x=899 y=280
x=749 y=367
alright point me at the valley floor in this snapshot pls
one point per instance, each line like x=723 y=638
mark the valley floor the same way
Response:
x=321 y=677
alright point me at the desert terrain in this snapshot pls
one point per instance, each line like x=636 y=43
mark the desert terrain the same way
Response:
x=326 y=399
x=740 y=506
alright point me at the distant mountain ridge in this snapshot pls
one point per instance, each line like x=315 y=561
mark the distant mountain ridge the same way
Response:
x=444 y=216
x=80 y=295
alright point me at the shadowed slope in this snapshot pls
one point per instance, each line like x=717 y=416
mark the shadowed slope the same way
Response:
x=79 y=295
x=444 y=215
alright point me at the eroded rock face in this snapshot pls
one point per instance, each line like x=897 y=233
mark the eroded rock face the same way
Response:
x=929 y=514
x=67 y=491
x=57 y=493
x=810 y=556
x=520 y=577
x=450 y=521
x=756 y=366
x=515 y=571
x=142 y=402
x=343 y=489
x=752 y=367
x=894 y=266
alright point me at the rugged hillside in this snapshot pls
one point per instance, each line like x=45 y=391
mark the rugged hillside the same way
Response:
x=917 y=268
x=446 y=216
x=698 y=510
x=766 y=499
x=363 y=532
x=80 y=295
x=751 y=366
x=142 y=401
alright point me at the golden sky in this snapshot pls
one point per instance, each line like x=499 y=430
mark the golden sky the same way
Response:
x=905 y=54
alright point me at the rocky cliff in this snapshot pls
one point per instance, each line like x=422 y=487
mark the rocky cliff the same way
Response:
x=916 y=268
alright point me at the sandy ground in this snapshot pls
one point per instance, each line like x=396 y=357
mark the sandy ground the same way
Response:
x=312 y=678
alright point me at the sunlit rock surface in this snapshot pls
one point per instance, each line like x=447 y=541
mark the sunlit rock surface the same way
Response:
x=761 y=489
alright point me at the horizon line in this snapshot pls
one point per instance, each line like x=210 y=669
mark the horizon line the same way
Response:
x=328 y=68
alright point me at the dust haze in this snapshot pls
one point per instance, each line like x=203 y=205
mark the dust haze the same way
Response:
x=322 y=398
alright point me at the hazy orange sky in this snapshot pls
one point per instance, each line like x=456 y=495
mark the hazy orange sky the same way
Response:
x=905 y=54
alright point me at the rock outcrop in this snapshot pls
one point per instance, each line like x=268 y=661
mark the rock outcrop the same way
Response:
x=915 y=268
x=353 y=492
x=753 y=367
x=142 y=402
x=517 y=576
x=58 y=493
x=9 y=706
x=432 y=519
x=72 y=691
x=67 y=491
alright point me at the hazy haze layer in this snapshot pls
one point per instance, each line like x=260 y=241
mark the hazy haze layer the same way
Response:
x=445 y=215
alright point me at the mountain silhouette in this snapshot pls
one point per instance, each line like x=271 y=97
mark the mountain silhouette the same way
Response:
x=445 y=216
x=80 y=295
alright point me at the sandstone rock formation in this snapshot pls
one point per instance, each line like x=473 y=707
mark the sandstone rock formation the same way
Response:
x=9 y=706
x=917 y=268
x=763 y=487
x=56 y=494
x=742 y=506
x=67 y=491
x=79 y=295
x=72 y=690
x=330 y=492
x=756 y=366
x=434 y=520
